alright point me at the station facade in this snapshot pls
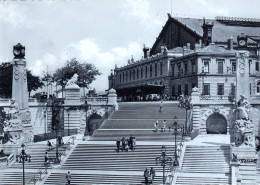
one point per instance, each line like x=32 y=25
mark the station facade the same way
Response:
x=192 y=52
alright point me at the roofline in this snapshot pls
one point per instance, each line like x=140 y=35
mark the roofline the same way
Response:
x=204 y=54
x=170 y=18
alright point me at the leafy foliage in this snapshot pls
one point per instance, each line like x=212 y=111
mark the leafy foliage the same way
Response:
x=86 y=73
x=6 y=71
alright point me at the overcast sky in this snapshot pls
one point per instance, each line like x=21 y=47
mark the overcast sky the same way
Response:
x=102 y=32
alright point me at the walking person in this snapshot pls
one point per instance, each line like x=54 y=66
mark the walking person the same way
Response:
x=131 y=141
x=123 y=143
x=164 y=125
x=152 y=174
x=118 y=144
x=161 y=106
x=156 y=126
x=49 y=145
x=146 y=176
x=126 y=145
x=68 y=177
x=46 y=160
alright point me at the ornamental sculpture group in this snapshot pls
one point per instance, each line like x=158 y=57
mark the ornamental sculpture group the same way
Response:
x=243 y=129
x=13 y=123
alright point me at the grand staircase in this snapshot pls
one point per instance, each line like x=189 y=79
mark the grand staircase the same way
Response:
x=77 y=178
x=14 y=177
x=105 y=157
x=37 y=153
x=205 y=164
x=138 y=119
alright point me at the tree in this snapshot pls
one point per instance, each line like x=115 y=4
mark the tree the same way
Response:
x=86 y=73
x=6 y=73
x=34 y=82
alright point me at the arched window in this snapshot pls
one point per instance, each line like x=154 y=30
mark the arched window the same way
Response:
x=258 y=88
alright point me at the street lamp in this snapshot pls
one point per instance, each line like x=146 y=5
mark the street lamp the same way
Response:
x=184 y=102
x=163 y=160
x=23 y=157
x=175 y=125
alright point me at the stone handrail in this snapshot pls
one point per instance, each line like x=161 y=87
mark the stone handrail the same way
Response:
x=10 y=159
x=41 y=173
x=97 y=100
x=220 y=97
x=68 y=146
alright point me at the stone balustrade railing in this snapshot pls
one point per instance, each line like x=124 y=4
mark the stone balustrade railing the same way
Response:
x=220 y=97
x=97 y=100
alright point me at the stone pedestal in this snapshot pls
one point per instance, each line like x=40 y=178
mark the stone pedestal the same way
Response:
x=112 y=98
x=244 y=158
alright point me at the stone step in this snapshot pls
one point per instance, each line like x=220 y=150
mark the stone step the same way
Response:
x=60 y=179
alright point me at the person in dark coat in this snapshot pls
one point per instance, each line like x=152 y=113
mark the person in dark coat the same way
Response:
x=131 y=141
x=49 y=145
x=123 y=143
x=152 y=174
x=118 y=144
x=68 y=177
x=146 y=176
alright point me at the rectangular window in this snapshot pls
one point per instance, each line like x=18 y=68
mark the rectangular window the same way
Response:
x=179 y=69
x=220 y=89
x=257 y=66
x=161 y=68
x=185 y=68
x=206 y=89
x=206 y=66
x=146 y=71
x=220 y=66
x=173 y=70
x=134 y=74
x=173 y=90
x=141 y=72
x=186 y=89
x=137 y=75
x=233 y=89
x=193 y=67
x=151 y=70
x=120 y=77
x=179 y=90
x=233 y=66
x=155 y=69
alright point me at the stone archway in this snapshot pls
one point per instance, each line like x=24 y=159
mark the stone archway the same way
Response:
x=216 y=124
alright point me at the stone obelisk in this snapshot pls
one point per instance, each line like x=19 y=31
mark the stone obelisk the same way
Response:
x=20 y=92
x=19 y=86
x=243 y=152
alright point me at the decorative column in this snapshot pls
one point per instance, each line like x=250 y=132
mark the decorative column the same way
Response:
x=195 y=102
x=112 y=98
x=19 y=85
x=243 y=151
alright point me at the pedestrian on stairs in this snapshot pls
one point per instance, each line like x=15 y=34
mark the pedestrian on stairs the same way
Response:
x=131 y=141
x=49 y=145
x=118 y=144
x=123 y=143
x=164 y=125
x=161 y=106
x=152 y=174
x=68 y=177
x=156 y=126
x=46 y=160
x=126 y=146
x=146 y=176
x=133 y=144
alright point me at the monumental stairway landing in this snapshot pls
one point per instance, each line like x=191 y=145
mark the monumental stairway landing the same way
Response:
x=138 y=118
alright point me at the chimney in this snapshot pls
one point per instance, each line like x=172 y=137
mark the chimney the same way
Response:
x=230 y=43
x=145 y=50
x=207 y=32
x=188 y=46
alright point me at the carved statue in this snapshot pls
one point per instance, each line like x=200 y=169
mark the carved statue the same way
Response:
x=73 y=80
x=243 y=108
x=14 y=109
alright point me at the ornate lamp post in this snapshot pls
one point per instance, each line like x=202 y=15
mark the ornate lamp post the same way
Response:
x=184 y=102
x=22 y=158
x=175 y=125
x=163 y=160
